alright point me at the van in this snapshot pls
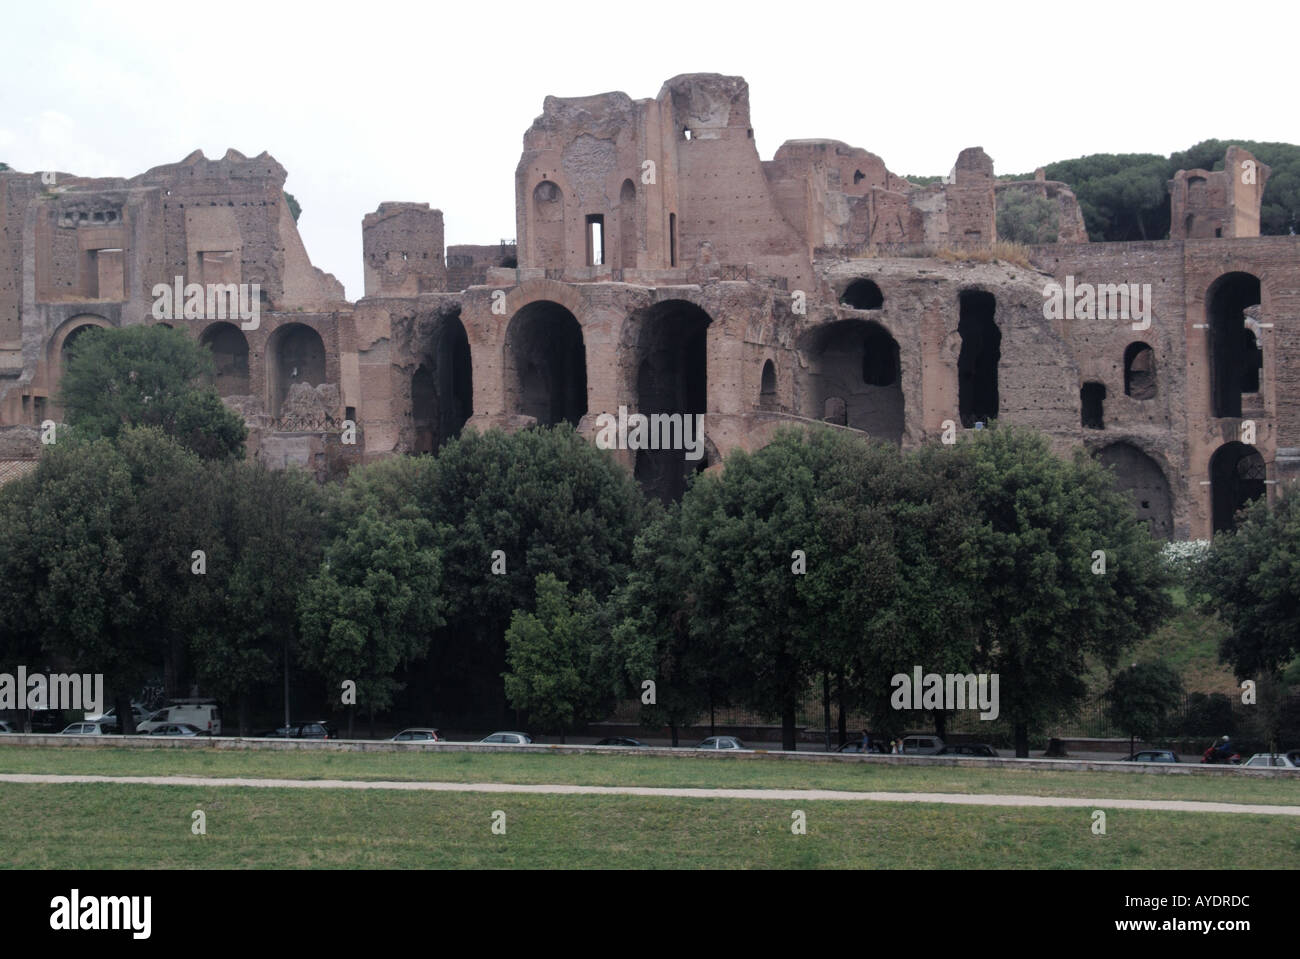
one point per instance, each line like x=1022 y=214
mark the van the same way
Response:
x=204 y=714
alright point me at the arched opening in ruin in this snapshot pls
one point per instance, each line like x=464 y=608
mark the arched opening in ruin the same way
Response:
x=767 y=387
x=977 y=363
x=863 y=295
x=548 y=225
x=59 y=353
x=1140 y=371
x=855 y=362
x=672 y=378
x=1234 y=359
x=1141 y=477
x=1237 y=474
x=627 y=226
x=295 y=354
x=229 y=349
x=442 y=389
x=546 y=364
x=1092 y=400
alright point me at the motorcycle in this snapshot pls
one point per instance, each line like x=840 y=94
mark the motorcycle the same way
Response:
x=1213 y=756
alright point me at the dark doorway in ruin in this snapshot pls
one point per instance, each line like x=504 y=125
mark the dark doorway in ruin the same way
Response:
x=977 y=363
x=1234 y=361
x=863 y=295
x=767 y=388
x=297 y=355
x=546 y=360
x=672 y=377
x=229 y=349
x=442 y=390
x=1144 y=481
x=857 y=363
x=1237 y=474
x=1140 y=371
x=1092 y=400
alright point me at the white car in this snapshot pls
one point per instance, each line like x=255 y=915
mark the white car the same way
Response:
x=85 y=729
x=1276 y=760
x=205 y=715
x=721 y=742
x=109 y=717
x=512 y=739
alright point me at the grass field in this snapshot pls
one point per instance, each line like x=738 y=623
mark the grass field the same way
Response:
x=614 y=770
x=121 y=826
x=107 y=826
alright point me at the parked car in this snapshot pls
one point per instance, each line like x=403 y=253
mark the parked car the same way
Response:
x=510 y=739
x=86 y=729
x=205 y=715
x=620 y=741
x=870 y=746
x=1153 y=756
x=922 y=745
x=178 y=729
x=318 y=729
x=417 y=736
x=109 y=717
x=968 y=749
x=722 y=742
x=7 y=727
x=1276 y=760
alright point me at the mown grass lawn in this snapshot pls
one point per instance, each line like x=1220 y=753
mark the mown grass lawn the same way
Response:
x=618 y=770
x=112 y=826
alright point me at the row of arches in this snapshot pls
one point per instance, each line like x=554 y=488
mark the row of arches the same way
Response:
x=1237 y=477
x=295 y=351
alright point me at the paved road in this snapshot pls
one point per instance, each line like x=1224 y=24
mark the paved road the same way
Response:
x=788 y=795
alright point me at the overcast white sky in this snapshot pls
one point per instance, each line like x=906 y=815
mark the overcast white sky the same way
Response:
x=428 y=102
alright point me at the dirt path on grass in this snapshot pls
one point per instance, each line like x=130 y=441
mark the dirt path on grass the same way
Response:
x=787 y=795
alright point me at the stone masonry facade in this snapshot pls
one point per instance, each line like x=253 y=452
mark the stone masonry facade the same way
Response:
x=661 y=266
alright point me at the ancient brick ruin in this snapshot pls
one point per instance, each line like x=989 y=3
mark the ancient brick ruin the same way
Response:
x=662 y=266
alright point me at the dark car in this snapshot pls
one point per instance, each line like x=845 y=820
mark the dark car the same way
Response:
x=870 y=746
x=968 y=749
x=178 y=729
x=313 y=730
x=1153 y=756
x=620 y=741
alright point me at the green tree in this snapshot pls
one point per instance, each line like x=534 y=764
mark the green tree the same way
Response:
x=266 y=544
x=562 y=671
x=651 y=613
x=893 y=572
x=1251 y=579
x=99 y=560
x=1142 y=697
x=149 y=376
x=1025 y=217
x=1045 y=602
x=1122 y=196
x=372 y=606
x=294 y=208
x=507 y=507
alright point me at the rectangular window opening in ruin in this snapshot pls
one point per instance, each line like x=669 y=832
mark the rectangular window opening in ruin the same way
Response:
x=595 y=239
x=672 y=239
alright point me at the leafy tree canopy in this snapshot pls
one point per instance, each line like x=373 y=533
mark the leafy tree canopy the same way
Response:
x=148 y=376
